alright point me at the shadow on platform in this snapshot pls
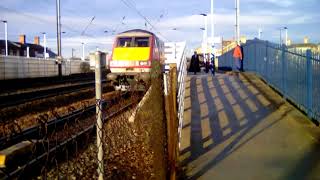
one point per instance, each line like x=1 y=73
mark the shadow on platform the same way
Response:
x=223 y=114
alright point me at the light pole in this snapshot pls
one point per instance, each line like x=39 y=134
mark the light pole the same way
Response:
x=203 y=46
x=280 y=37
x=259 y=33
x=205 y=35
x=44 y=45
x=286 y=35
x=237 y=22
x=63 y=33
x=6 y=35
x=72 y=50
x=212 y=28
x=82 y=58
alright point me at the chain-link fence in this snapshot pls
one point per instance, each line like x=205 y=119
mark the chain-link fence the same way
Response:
x=58 y=139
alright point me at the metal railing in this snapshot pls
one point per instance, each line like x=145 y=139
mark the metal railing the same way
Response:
x=295 y=74
x=17 y=67
x=176 y=54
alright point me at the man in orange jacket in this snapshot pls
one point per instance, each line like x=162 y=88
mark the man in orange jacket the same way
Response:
x=237 y=55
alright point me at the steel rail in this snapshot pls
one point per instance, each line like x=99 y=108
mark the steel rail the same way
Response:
x=60 y=146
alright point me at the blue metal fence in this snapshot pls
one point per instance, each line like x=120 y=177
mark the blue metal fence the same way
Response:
x=294 y=74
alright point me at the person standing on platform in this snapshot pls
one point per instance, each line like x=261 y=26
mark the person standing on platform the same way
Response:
x=212 y=64
x=237 y=55
x=194 y=64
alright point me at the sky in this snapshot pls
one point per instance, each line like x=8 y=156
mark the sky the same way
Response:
x=172 y=20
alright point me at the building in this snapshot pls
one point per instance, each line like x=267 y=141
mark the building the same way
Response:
x=305 y=46
x=20 y=48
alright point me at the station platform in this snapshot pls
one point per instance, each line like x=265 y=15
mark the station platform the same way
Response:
x=237 y=127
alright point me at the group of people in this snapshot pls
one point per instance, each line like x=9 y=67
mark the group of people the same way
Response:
x=237 y=67
x=195 y=64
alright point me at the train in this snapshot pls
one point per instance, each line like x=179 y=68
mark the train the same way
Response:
x=133 y=54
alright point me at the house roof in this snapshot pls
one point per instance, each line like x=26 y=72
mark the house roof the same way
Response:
x=20 y=45
x=23 y=46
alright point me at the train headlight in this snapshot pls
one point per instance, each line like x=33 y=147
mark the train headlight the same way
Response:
x=143 y=63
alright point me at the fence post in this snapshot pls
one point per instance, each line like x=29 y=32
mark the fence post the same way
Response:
x=309 y=82
x=170 y=81
x=99 y=113
x=284 y=72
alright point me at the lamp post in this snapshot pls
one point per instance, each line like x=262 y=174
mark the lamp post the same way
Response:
x=280 y=37
x=63 y=33
x=72 y=50
x=203 y=45
x=44 y=45
x=212 y=28
x=259 y=33
x=6 y=35
x=205 y=35
x=82 y=58
x=286 y=35
x=237 y=5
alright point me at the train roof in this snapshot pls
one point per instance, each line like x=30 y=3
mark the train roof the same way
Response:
x=136 y=31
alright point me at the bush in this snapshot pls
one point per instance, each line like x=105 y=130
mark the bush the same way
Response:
x=84 y=67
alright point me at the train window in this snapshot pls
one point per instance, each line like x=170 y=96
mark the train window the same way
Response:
x=124 y=42
x=141 y=42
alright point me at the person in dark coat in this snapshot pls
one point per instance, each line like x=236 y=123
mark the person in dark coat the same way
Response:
x=194 y=65
x=212 y=64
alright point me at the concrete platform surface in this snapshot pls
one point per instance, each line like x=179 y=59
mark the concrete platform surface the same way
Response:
x=236 y=127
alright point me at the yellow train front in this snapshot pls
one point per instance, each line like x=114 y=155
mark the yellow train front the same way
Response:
x=132 y=57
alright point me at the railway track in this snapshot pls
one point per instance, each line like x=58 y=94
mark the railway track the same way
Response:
x=20 y=98
x=36 y=133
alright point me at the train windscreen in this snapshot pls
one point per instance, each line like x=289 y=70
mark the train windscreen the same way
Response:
x=141 y=42
x=124 y=42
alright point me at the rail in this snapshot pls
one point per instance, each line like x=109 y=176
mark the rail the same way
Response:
x=295 y=74
x=20 y=98
x=47 y=150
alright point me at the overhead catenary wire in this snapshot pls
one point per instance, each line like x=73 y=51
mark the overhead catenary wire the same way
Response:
x=131 y=5
x=36 y=18
x=85 y=29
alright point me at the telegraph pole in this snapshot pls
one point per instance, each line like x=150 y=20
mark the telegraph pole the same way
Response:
x=59 y=37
